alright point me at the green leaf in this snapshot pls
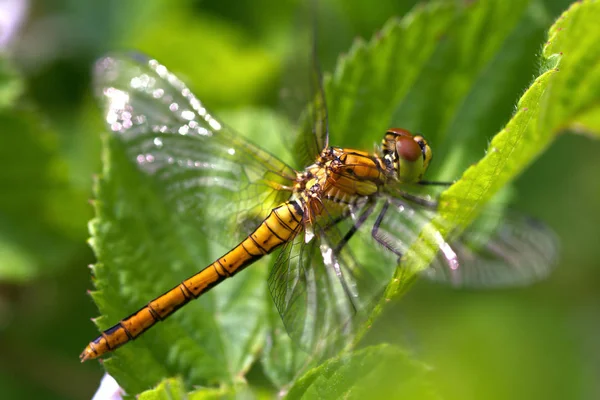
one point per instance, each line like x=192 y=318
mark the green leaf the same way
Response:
x=369 y=82
x=283 y=361
x=168 y=389
x=449 y=71
x=571 y=101
x=554 y=103
x=174 y=389
x=377 y=372
x=144 y=248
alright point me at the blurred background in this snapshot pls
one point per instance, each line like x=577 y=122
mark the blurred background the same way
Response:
x=536 y=342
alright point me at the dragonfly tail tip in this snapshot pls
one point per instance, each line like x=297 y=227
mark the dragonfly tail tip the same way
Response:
x=87 y=354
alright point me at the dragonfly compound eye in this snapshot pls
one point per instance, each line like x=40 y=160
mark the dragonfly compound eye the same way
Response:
x=413 y=155
x=408 y=149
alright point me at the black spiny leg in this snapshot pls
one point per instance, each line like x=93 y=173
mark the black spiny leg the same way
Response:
x=367 y=211
x=435 y=183
x=421 y=201
x=377 y=235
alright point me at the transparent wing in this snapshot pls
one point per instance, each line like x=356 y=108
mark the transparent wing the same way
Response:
x=314 y=129
x=501 y=248
x=208 y=172
x=516 y=251
x=320 y=290
x=325 y=288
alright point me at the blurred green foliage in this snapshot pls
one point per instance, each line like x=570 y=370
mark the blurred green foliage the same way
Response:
x=538 y=342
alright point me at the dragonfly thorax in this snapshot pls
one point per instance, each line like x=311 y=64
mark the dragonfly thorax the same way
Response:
x=340 y=176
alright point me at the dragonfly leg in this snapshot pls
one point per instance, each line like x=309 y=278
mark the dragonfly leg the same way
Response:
x=378 y=236
x=431 y=204
x=335 y=221
x=435 y=183
x=336 y=251
x=367 y=211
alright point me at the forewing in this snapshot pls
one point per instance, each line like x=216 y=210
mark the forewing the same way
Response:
x=205 y=170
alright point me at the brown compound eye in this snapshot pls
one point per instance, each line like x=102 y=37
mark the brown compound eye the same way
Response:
x=413 y=156
x=408 y=149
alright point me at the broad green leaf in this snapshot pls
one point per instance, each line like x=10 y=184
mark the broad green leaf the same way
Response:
x=571 y=101
x=144 y=247
x=369 y=82
x=567 y=88
x=377 y=372
x=282 y=360
x=447 y=70
x=168 y=389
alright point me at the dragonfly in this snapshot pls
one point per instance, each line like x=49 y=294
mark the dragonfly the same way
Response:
x=338 y=227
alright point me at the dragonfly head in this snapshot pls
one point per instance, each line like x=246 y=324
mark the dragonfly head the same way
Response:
x=406 y=154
